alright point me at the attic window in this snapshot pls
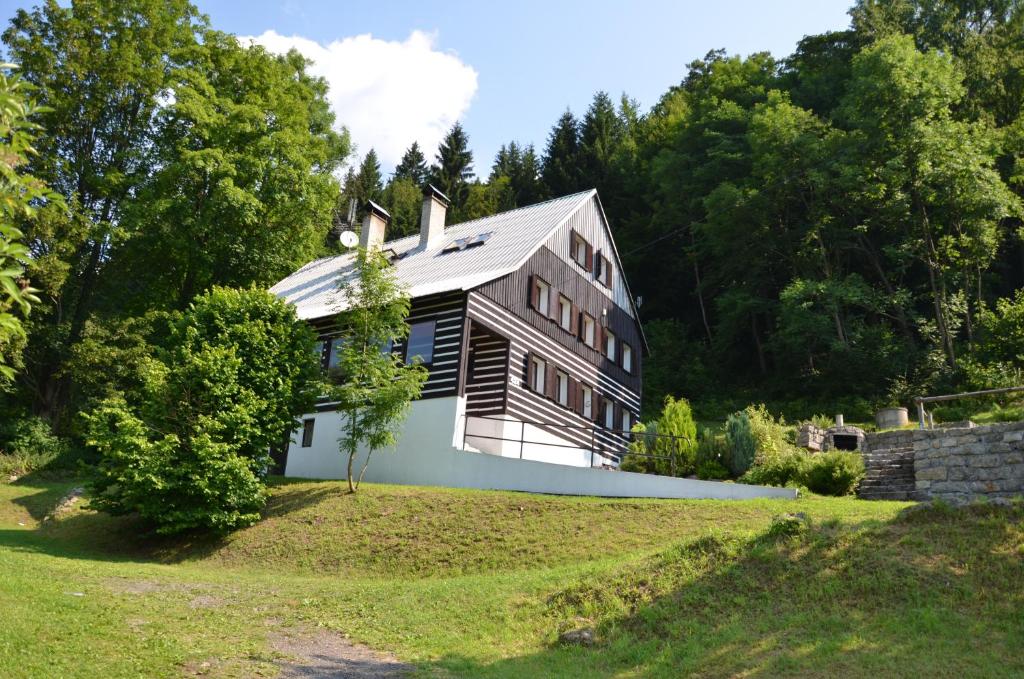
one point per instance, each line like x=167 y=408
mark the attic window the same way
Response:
x=469 y=242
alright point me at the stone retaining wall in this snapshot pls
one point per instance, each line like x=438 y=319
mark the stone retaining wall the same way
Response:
x=952 y=464
x=969 y=463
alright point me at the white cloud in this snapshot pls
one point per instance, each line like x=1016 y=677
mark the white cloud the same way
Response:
x=387 y=93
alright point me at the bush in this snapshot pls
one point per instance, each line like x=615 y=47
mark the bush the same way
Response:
x=190 y=451
x=28 y=444
x=833 y=473
x=780 y=470
x=675 y=455
x=742 y=446
x=710 y=470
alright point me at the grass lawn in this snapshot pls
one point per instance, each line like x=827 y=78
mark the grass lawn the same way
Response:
x=479 y=584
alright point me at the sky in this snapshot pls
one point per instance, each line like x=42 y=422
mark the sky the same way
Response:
x=406 y=70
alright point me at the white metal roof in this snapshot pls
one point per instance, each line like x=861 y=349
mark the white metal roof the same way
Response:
x=515 y=236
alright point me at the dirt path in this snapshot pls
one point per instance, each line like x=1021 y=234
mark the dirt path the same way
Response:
x=320 y=654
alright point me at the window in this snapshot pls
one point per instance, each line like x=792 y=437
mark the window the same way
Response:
x=603 y=270
x=609 y=350
x=587 y=402
x=538 y=368
x=627 y=357
x=579 y=250
x=562 y=394
x=386 y=346
x=335 y=356
x=307 y=433
x=541 y=295
x=626 y=421
x=318 y=351
x=609 y=415
x=421 y=343
x=564 y=313
x=589 y=328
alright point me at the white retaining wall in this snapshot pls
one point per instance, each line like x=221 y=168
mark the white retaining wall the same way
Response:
x=427 y=455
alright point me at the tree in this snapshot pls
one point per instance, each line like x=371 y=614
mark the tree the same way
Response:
x=412 y=166
x=18 y=192
x=101 y=69
x=368 y=179
x=560 y=166
x=453 y=169
x=190 y=452
x=520 y=166
x=186 y=160
x=374 y=386
x=602 y=135
x=403 y=199
x=242 y=190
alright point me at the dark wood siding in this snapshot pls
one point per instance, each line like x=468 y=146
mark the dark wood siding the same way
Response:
x=513 y=292
x=524 y=403
x=487 y=372
x=448 y=310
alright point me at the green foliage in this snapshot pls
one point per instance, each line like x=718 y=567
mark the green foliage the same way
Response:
x=28 y=444
x=190 y=451
x=453 y=169
x=742 y=444
x=676 y=454
x=713 y=453
x=712 y=470
x=833 y=473
x=19 y=191
x=412 y=166
x=373 y=388
x=403 y=199
x=784 y=469
x=186 y=161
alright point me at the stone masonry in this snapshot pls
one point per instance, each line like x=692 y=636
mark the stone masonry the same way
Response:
x=888 y=466
x=952 y=464
x=967 y=464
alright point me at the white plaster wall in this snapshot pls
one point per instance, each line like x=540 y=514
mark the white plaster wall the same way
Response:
x=426 y=455
x=539 y=445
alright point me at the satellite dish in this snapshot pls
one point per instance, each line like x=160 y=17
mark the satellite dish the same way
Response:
x=349 y=238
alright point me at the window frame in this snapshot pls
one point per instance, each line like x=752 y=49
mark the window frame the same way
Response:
x=543 y=292
x=564 y=313
x=627 y=357
x=538 y=374
x=308 y=426
x=408 y=356
x=609 y=414
x=562 y=382
x=626 y=422
x=610 y=348
x=587 y=401
x=592 y=327
x=333 y=345
x=578 y=249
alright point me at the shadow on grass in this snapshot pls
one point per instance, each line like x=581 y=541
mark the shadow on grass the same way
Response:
x=98 y=536
x=937 y=593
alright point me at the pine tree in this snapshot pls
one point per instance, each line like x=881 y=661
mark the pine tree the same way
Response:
x=412 y=166
x=601 y=136
x=368 y=180
x=453 y=169
x=560 y=167
x=520 y=165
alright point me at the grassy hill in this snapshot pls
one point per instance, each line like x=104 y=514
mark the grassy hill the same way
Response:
x=471 y=583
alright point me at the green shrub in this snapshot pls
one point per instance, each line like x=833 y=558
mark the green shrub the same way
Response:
x=742 y=445
x=780 y=470
x=710 y=470
x=674 y=455
x=190 y=452
x=833 y=473
x=28 y=444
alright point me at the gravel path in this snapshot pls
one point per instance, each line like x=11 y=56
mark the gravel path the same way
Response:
x=320 y=654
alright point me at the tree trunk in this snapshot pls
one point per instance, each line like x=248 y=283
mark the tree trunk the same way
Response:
x=757 y=343
x=351 y=450
x=700 y=294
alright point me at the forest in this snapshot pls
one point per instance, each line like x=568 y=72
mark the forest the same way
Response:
x=839 y=228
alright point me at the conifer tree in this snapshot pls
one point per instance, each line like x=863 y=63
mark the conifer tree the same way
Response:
x=412 y=166
x=560 y=167
x=453 y=169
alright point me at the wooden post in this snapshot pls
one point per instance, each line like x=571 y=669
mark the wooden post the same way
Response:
x=522 y=437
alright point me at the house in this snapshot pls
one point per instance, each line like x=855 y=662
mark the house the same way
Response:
x=524 y=320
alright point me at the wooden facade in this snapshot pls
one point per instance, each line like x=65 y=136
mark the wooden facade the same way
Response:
x=486 y=339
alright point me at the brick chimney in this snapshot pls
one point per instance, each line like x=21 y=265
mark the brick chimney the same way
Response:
x=371 y=236
x=435 y=206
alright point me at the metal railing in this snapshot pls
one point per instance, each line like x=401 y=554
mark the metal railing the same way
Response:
x=921 y=400
x=595 y=448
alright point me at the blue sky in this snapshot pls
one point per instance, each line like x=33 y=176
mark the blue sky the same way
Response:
x=507 y=70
